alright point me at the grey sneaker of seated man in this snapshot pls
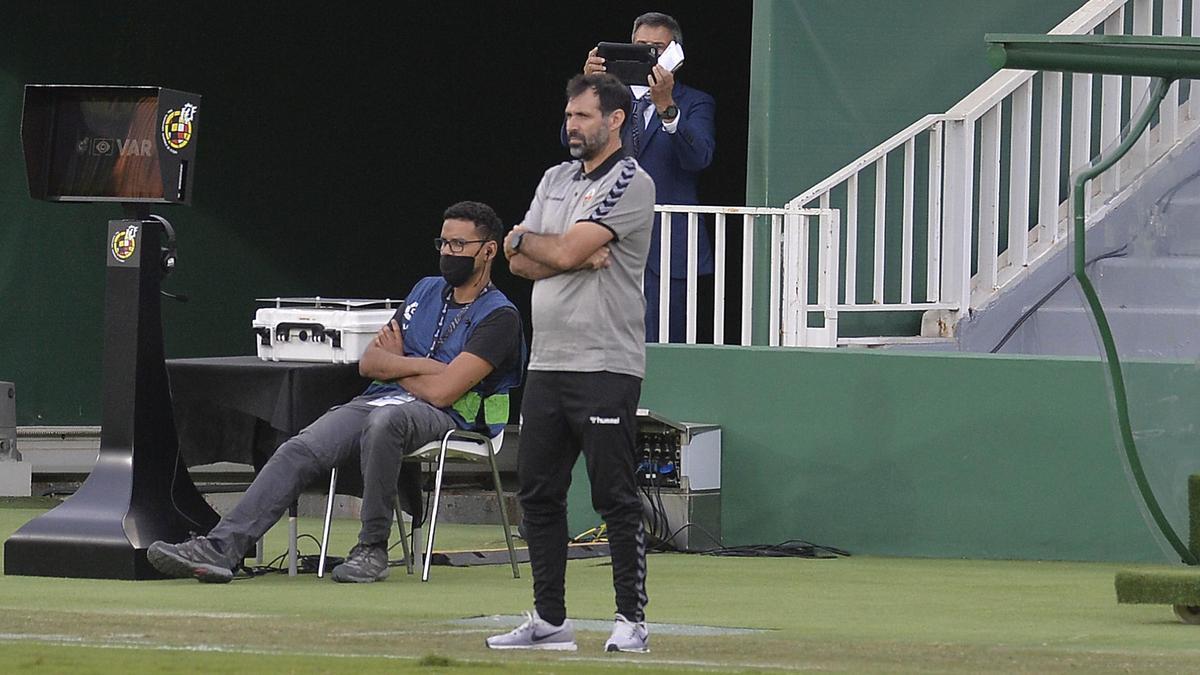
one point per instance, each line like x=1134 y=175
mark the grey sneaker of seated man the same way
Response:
x=536 y=633
x=196 y=557
x=366 y=563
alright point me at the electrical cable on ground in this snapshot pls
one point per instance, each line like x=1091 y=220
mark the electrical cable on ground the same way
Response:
x=792 y=548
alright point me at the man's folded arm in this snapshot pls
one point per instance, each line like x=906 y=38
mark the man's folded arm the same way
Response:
x=567 y=251
x=380 y=364
x=528 y=268
x=456 y=378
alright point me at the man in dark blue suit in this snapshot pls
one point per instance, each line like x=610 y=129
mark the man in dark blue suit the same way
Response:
x=674 y=143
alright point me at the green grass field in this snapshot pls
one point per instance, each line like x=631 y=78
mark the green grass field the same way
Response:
x=847 y=615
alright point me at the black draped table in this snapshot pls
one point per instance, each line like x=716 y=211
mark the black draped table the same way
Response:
x=240 y=408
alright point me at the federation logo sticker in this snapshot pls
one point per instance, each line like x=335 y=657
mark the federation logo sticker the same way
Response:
x=177 y=128
x=124 y=243
x=409 y=310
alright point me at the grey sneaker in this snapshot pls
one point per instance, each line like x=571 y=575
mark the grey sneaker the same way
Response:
x=628 y=636
x=196 y=557
x=537 y=634
x=366 y=563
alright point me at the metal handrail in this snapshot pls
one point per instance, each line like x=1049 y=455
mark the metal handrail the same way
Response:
x=785 y=295
x=964 y=186
x=869 y=158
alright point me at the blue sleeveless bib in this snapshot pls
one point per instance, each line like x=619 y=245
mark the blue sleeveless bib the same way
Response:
x=434 y=329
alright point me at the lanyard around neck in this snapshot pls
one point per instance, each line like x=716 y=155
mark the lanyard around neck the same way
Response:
x=438 y=337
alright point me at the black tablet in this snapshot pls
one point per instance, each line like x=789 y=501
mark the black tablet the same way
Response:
x=630 y=63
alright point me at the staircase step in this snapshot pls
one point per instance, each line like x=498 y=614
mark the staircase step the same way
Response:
x=1164 y=281
x=1167 y=282
x=1177 y=229
x=909 y=343
x=1154 y=333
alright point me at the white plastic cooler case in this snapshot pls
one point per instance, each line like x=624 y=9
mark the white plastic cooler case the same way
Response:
x=322 y=330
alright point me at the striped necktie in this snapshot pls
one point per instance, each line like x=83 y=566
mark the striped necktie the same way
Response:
x=639 y=123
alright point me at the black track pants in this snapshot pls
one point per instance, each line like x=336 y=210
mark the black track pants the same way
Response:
x=564 y=413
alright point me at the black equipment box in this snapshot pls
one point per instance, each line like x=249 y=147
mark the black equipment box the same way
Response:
x=679 y=478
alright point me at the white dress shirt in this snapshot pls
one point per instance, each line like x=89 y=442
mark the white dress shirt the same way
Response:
x=640 y=90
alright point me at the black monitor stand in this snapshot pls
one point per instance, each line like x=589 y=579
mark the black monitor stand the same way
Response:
x=139 y=490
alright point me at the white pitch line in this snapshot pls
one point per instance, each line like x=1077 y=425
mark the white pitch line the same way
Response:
x=393 y=633
x=605 y=625
x=80 y=641
x=692 y=663
x=186 y=614
x=40 y=637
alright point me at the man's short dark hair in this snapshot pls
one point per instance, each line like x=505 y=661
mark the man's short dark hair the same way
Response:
x=660 y=20
x=485 y=219
x=613 y=94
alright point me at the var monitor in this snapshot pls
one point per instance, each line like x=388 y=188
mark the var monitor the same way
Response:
x=87 y=143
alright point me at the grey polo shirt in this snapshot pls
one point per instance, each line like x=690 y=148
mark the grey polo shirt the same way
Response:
x=594 y=320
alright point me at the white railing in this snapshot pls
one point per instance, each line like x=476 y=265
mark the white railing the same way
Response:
x=793 y=292
x=970 y=226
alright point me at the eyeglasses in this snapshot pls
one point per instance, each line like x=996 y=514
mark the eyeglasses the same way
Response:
x=661 y=47
x=456 y=245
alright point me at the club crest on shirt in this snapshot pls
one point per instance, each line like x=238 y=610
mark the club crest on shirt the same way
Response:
x=587 y=197
x=409 y=310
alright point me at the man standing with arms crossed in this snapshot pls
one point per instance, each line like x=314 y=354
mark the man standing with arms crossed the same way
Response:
x=584 y=242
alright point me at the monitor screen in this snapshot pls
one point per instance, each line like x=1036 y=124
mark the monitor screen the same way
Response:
x=105 y=146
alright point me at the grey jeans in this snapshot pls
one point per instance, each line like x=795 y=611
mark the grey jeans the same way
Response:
x=380 y=435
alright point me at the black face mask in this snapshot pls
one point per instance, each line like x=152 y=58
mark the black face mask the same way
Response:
x=457 y=269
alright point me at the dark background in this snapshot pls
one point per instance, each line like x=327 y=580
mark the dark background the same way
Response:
x=330 y=140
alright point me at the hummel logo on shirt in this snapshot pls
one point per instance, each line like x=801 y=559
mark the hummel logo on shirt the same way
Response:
x=604 y=420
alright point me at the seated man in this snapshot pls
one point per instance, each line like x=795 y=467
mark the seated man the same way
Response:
x=446 y=360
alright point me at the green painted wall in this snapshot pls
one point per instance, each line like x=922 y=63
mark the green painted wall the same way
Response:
x=917 y=454
x=831 y=79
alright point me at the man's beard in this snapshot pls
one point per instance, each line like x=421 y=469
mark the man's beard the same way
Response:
x=588 y=148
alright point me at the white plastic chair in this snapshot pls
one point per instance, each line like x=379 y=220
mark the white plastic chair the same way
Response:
x=456 y=446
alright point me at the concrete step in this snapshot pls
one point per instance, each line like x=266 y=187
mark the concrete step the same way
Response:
x=73 y=450
x=458 y=506
x=1154 y=333
x=1167 y=282
x=1178 y=229
x=906 y=343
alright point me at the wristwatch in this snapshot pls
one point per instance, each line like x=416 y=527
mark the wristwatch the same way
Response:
x=670 y=113
x=515 y=242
